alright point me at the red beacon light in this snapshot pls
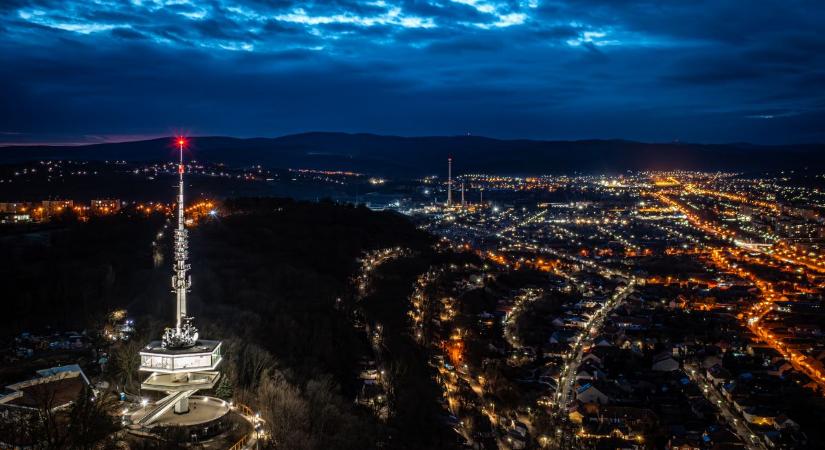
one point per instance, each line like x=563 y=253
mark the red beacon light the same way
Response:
x=181 y=143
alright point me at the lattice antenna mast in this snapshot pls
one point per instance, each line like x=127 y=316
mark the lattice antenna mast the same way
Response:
x=181 y=282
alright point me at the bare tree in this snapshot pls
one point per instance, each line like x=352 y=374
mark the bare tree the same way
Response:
x=253 y=360
x=125 y=361
x=286 y=413
x=17 y=426
x=91 y=419
x=47 y=423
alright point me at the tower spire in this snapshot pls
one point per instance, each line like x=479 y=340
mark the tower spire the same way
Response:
x=180 y=280
x=184 y=334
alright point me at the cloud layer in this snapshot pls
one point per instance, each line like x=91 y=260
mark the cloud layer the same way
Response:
x=708 y=71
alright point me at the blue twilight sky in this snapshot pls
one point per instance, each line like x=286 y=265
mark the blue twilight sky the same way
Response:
x=700 y=70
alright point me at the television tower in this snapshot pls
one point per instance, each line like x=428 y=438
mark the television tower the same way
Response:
x=450 y=181
x=180 y=362
x=462 y=192
x=180 y=281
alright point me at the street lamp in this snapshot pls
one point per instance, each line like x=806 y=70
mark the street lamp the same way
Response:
x=256 y=421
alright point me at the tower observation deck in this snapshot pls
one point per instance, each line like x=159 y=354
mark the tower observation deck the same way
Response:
x=180 y=362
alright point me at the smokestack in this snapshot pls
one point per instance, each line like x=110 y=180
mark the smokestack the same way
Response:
x=450 y=181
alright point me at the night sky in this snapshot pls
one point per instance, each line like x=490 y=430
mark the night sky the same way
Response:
x=701 y=71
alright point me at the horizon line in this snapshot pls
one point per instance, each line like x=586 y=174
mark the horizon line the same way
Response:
x=134 y=138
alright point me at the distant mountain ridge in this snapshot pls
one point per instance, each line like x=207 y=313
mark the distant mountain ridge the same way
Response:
x=394 y=155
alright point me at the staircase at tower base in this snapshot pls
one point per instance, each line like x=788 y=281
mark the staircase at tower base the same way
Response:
x=165 y=404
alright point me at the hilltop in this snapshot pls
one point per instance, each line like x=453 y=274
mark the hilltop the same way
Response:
x=414 y=156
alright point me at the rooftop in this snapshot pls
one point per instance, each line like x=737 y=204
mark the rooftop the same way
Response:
x=58 y=387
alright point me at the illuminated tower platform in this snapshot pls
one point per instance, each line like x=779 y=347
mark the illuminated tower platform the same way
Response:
x=180 y=362
x=179 y=372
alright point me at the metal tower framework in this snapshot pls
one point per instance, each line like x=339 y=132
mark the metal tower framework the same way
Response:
x=181 y=282
x=184 y=334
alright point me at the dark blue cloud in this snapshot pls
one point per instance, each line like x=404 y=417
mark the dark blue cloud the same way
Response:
x=709 y=70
